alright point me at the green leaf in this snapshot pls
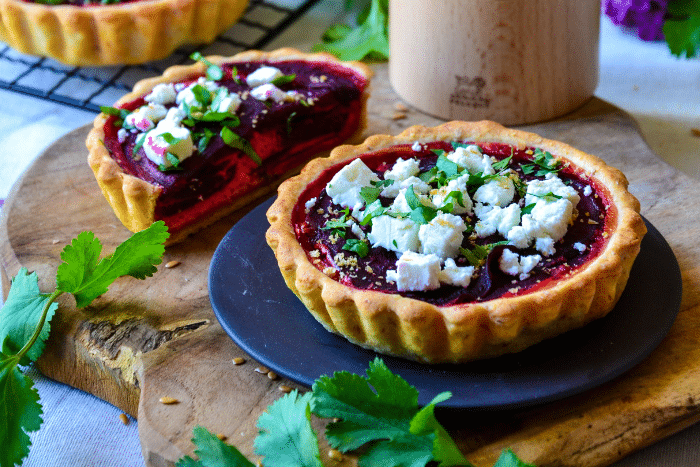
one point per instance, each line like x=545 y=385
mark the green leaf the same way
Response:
x=357 y=246
x=502 y=164
x=405 y=451
x=368 y=40
x=213 y=452
x=509 y=459
x=377 y=407
x=445 y=451
x=449 y=168
x=683 y=35
x=370 y=194
x=214 y=72
x=284 y=79
x=83 y=276
x=286 y=437
x=20 y=411
x=21 y=314
x=237 y=142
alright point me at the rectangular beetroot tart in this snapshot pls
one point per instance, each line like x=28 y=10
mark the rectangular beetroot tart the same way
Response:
x=204 y=140
x=455 y=243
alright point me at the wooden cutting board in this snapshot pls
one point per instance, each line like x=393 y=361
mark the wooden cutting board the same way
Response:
x=144 y=340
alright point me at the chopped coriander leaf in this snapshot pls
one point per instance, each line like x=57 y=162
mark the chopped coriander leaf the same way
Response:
x=284 y=79
x=502 y=164
x=449 y=168
x=373 y=210
x=357 y=246
x=429 y=176
x=423 y=215
x=335 y=224
x=477 y=255
x=289 y=122
x=202 y=95
x=370 y=193
x=448 y=203
x=236 y=142
x=214 y=72
x=527 y=209
x=203 y=139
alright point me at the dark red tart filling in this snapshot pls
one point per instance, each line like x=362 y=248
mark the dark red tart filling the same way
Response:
x=590 y=227
x=282 y=136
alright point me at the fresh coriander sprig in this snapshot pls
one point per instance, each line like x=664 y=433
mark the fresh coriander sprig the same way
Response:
x=369 y=40
x=214 y=72
x=377 y=414
x=26 y=315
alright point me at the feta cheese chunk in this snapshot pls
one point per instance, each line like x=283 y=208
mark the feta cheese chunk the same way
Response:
x=497 y=192
x=538 y=189
x=472 y=159
x=263 y=75
x=442 y=236
x=441 y=196
x=145 y=117
x=415 y=272
x=394 y=234
x=229 y=103
x=344 y=188
x=163 y=93
x=494 y=219
x=165 y=140
x=456 y=275
x=515 y=265
x=266 y=92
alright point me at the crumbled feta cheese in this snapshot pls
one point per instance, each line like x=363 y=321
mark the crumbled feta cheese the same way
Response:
x=456 y=275
x=266 y=92
x=344 y=188
x=310 y=203
x=163 y=94
x=393 y=190
x=229 y=104
x=442 y=236
x=580 y=247
x=416 y=147
x=554 y=217
x=189 y=98
x=355 y=228
x=157 y=148
x=515 y=265
x=415 y=272
x=588 y=191
x=494 y=219
x=122 y=134
x=400 y=205
x=441 y=196
x=394 y=234
x=537 y=189
x=263 y=75
x=145 y=117
x=472 y=159
x=498 y=192
x=403 y=169
x=545 y=245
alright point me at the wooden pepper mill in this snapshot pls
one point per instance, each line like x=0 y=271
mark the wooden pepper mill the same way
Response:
x=511 y=61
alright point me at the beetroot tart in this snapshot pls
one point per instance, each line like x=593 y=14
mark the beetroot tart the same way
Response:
x=110 y=32
x=455 y=243
x=207 y=139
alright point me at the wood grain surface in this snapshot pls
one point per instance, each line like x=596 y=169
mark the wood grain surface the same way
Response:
x=144 y=340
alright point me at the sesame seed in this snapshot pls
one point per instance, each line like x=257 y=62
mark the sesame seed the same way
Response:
x=168 y=400
x=263 y=370
x=172 y=264
x=238 y=361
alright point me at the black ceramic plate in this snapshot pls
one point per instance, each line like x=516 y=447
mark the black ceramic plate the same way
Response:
x=262 y=316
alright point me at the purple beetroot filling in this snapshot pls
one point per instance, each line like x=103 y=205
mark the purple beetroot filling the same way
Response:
x=284 y=134
x=491 y=282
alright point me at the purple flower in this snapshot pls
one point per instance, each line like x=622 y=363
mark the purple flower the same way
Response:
x=646 y=16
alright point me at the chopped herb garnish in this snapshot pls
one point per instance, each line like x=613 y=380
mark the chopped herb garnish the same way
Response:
x=477 y=255
x=284 y=79
x=527 y=209
x=115 y=112
x=357 y=246
x=289 y=122
x=543 y=162
x=214 y=72
x=236 y=142
x=502 y=164
x=140 y=139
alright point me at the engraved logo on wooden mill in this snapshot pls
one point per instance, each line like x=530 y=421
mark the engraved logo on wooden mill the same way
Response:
x=469 y=92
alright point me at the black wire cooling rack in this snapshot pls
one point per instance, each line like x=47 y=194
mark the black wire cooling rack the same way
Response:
x=88 y=88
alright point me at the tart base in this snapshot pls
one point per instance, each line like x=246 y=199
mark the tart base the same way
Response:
x=414 y=329
x=134 y=200
x=126 y=33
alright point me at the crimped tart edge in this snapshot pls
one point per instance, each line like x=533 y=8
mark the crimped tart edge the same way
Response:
x=126 y=33
x=133 y=200
x=417 y=330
